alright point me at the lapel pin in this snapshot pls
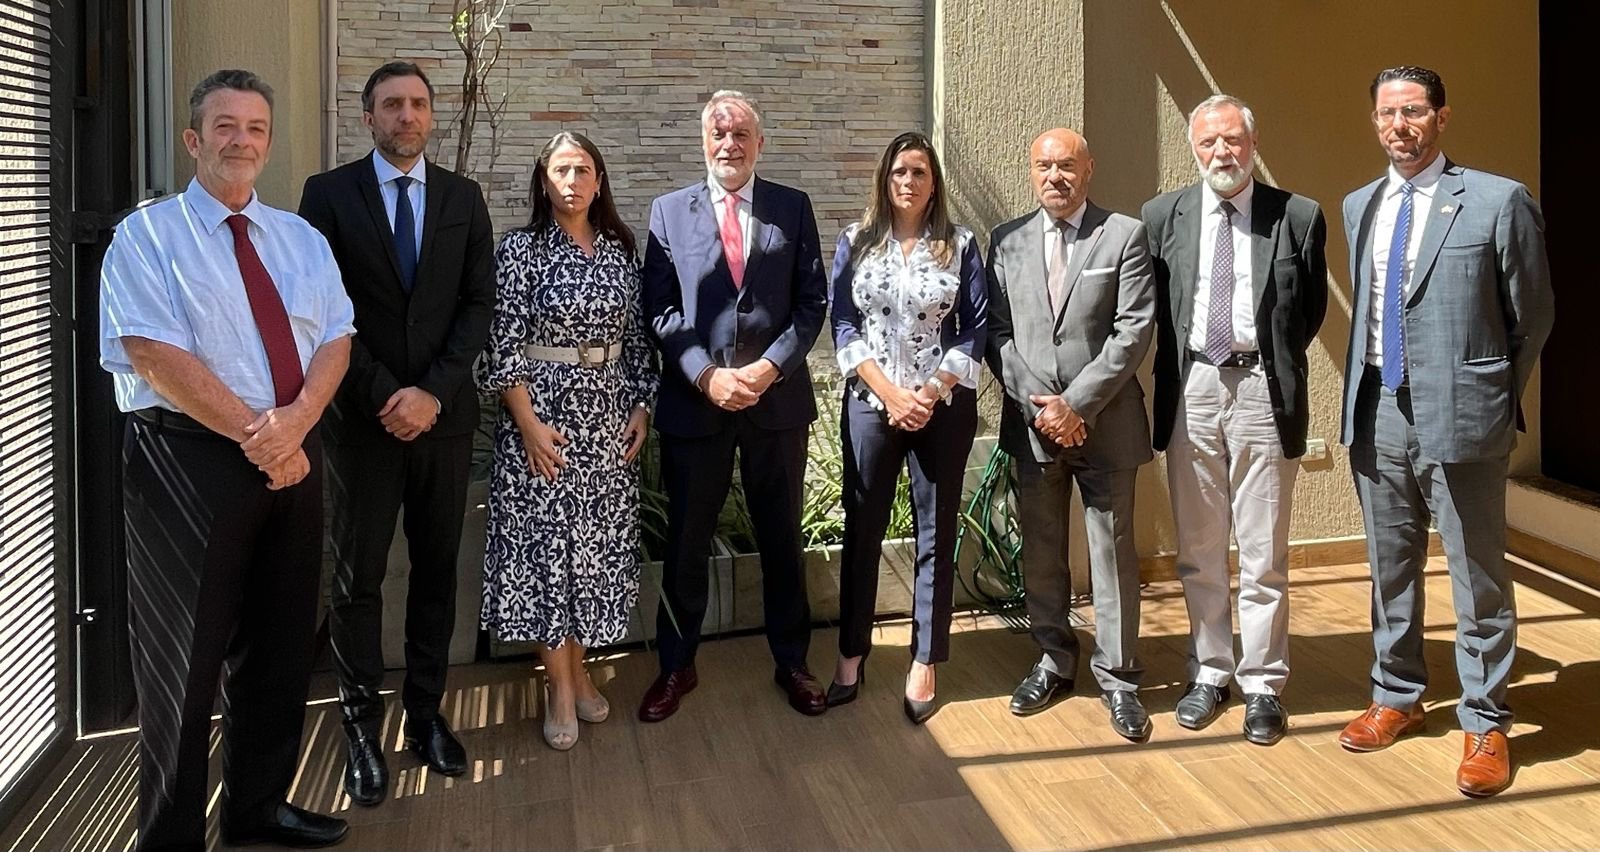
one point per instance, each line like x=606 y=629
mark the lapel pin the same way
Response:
x=1446 y=209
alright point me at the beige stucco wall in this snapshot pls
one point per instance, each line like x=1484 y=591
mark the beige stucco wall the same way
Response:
x=1126 y=73
x=277 y=39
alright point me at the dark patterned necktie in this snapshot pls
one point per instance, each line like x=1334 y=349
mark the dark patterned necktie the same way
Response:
x=272 y=321
x=1219 y=319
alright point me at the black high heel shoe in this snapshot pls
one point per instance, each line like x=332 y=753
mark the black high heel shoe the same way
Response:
x=920 y=711
x=839 y=694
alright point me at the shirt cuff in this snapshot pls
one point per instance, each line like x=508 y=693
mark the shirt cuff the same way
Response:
x=853 y=355
x=965 y=369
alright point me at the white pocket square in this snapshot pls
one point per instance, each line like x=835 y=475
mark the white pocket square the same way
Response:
x=1101 y=271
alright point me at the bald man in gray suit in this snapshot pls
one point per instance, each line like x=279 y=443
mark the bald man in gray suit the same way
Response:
x=1071 y=311
x=1452 y=305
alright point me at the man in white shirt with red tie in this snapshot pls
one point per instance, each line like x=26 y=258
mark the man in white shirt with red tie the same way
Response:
x=227 y=330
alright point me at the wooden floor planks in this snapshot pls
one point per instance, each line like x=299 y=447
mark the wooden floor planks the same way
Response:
x=738 y=769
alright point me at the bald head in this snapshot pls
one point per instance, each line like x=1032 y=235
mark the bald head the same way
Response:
x=1061 y=167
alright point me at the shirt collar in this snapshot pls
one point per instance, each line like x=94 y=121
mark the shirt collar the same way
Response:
x=746 y=193
x=1210 y=200
x=1424 y=179
x=212 y=213
x=387 y=171
x=1075 y=220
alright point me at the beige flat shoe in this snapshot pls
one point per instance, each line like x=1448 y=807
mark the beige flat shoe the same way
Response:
x=558 y=736
x=593 y=711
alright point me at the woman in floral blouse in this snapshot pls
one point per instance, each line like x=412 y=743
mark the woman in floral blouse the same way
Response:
x=569 y=360
x=909 y=312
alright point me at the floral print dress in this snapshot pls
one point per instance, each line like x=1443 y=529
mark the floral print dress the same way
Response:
x=562 y=558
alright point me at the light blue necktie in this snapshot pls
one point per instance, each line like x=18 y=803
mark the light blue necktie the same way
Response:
x=1394 y=295
x=405 y=233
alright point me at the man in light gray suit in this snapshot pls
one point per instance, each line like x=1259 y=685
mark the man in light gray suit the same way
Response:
x=1071 y=304
x=1452 y=305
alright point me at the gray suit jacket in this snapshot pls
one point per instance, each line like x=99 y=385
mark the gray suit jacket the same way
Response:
x=1289 y=274
x=1089 y=352
x=1480 y=310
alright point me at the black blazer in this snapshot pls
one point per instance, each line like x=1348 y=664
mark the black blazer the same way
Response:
x=428 y=338
x=700 y=319
x=1289 y=273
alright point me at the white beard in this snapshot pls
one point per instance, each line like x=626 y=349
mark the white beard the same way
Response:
x=1224 y=183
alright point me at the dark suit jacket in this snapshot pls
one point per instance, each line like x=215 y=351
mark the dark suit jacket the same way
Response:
x=1289 y=273
x=1088 y=352
x=1479 y=311
x=700 y=319
x=428 y=338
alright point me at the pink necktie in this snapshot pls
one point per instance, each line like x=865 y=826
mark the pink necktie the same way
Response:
x=733 y=239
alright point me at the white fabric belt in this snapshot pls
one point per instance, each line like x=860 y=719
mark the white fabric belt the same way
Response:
x=591 y=353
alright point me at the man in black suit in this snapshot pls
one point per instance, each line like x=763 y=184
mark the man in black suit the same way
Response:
x=415 y=246
x=1241 y=284
x=735 y=295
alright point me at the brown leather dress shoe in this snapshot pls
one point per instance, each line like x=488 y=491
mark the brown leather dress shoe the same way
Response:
x=1380 y=726
x=805 y=691
x=1485 y=764
x=662 y=698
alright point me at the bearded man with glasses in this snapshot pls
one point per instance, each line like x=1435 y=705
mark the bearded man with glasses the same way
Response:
x=1452 y=304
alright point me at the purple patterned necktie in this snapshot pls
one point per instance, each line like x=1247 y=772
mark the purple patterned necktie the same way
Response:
x=1219 y=319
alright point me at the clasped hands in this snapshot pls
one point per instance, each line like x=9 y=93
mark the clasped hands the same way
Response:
x=736 y=388
x=272 y=443
x=908 y=409
x=273 y=440
x=1058 y=421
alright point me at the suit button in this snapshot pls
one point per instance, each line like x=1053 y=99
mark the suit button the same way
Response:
x=411 y=323
x=746 y=307
x=1058 y=341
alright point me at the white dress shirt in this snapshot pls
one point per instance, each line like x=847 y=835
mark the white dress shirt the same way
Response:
x=1074 y=224
x=418 y=191
x=1244 y=309
x=171 y=276
x=1423 y=185
x=746 y=195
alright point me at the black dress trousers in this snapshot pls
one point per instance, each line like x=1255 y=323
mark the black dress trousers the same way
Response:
x=372 y=479
x=223 y=580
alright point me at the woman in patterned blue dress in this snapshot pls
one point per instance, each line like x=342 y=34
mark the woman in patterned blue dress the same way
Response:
x=910 y=313
x=576 y=378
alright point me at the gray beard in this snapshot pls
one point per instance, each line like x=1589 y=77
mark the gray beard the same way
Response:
x=1224 y=183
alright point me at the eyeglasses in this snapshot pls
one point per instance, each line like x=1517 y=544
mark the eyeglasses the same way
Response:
x=1410 y=112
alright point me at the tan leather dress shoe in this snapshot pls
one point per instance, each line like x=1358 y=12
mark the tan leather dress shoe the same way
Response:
x=1380 y=726
x=1485 y=764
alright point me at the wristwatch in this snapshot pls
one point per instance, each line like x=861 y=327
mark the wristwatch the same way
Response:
x=940 y=388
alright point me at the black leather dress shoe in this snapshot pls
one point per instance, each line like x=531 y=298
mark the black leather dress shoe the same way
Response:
x=1037 y=690
x=1264 y=719
x=288 y=826
x=1201 y=705
x=433 y=744
x=366 y=776
x=1128 y=716
x=845 y=693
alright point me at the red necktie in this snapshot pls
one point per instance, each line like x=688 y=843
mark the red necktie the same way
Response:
x=271 y=319
x=733 y=239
